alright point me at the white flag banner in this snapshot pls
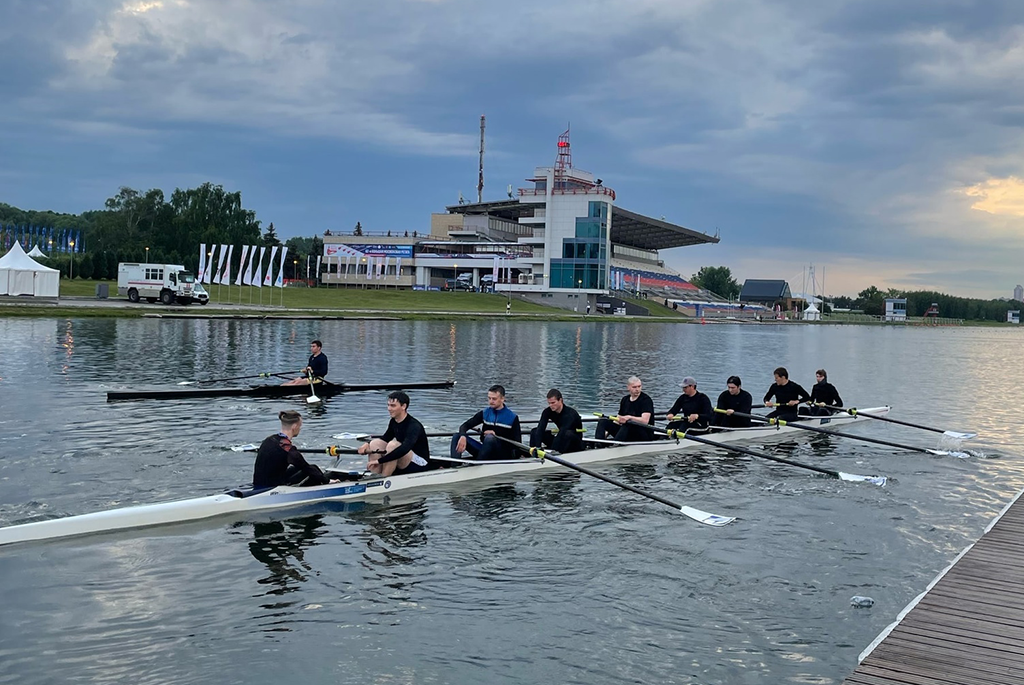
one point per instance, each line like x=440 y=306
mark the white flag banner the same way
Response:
x=494 y=272
x=279 y=283
x=369 y=268
x=398 y=267
x=267 y=280
x=382 y=265
x=248 y=269
x=225 y=277
x=220 y=264
x=318 y=276
x=348 y=259
x=307 y=267
x=209 y=264
x=257 y=277
x=202 y=262
x=241 y=266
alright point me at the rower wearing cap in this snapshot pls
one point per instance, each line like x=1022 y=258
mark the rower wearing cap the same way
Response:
x=279 y=462
x=494 y=420
x=788 y=395
x=570 y=426
x=692 y=410
x=403 y=448
x=733 y=399
x=637 y=406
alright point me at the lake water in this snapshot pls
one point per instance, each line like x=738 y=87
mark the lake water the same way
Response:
x=561 y=579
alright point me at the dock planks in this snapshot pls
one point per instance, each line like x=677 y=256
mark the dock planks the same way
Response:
x=967 y=628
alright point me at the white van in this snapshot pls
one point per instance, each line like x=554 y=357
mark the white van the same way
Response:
x=168 y=283
x=199 y=293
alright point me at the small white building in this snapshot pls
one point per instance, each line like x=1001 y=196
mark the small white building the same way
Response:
x=1013 y=316
x=895 y=309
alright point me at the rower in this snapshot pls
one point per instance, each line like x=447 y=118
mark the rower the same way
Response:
x=279 y=462
x=734 y=399
x=403 y=448
x=566 y=419
x=637 y=406
x=692 y=410
x=496 y=419
x=316 y=367
x=788 y=395
x=823 y=395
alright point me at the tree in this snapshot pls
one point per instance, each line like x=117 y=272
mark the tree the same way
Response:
x=358 y=230
x=870 y=300
x=270 y=238
x=717 y=279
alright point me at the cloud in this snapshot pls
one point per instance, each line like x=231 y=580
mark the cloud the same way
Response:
x=1002 y=196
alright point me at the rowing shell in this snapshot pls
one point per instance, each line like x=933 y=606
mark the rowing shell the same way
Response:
x=323 y=389
x=248 y=500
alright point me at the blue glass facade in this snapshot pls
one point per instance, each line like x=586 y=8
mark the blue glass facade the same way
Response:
x=584 y=260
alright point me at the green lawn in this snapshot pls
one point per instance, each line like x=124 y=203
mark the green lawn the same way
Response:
x=656 y=308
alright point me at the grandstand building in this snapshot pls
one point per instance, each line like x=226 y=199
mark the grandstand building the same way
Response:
x=560 y=241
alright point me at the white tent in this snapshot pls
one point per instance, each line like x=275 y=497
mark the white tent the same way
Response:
x=36 y=252
x=22 y=275
x=812 y=313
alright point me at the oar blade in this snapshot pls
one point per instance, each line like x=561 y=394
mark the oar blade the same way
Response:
x=187 y=383
x=244 y=448
x=705 y=517
x=880 y=481
x=312 y=399
x=351 y=436
x=949 y=453
x=959 y=436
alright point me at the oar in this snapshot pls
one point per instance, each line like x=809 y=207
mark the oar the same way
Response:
x=950 y=434
x=695 y=514
x=780 y=422
x=265 y=374
x=853 y=477
x=331 y=450
x=312 y=399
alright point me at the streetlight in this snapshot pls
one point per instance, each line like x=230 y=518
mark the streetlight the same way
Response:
x=71 y=272
x=51 y=245
x=295 y=268
x=147 y=255
x=579 y=289
x=455 y=282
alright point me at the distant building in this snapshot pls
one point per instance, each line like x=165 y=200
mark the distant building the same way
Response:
x=766 y=292
x=895 y=309
x=1018 y=293
x=1013 y=316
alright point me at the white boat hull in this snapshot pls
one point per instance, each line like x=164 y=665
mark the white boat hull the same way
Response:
x=198 y=508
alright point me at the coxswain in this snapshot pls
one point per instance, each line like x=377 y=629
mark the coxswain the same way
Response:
x=279 y=462
x=494 y=420
x=823 y=395
x=403 y=448
x=315 y=367
x=734 y=399
x=635 y=406
x=569 y=437
x=692 y=410
x=788 y=395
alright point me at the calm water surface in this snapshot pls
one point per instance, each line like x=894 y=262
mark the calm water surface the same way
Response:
x=554 y=580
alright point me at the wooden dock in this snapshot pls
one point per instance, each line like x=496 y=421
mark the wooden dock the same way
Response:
x=967 y=627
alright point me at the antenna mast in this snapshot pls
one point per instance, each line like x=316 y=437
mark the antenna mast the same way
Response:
x=563 y=162
x=480 y=181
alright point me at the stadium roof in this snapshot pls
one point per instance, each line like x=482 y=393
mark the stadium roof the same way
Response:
x=628 y=228
x=764 y=290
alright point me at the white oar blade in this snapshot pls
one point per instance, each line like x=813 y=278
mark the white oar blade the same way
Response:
x=312 y=399
x=959 y=436
x=706 y=518
x=950 y=453
x=244 y=448
x=186 y=383
x=854 y=478
x=350 y=436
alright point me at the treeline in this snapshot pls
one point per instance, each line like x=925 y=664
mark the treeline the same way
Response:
x=872 y=301
x=173 y=230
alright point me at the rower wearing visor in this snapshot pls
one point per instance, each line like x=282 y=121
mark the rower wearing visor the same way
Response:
x=692 y=410
x=403 y=448
x=569 y=435
x=496 y=419
x=316 y=367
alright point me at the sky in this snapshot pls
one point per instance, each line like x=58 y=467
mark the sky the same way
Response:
x=879 y=141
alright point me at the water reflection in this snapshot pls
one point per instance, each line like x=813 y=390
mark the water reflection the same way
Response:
x=494 y=501
x=281 y=547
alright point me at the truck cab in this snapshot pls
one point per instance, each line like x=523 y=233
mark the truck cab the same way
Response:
x=168 y=283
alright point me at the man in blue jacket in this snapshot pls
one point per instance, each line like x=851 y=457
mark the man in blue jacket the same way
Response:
x=495 y=420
